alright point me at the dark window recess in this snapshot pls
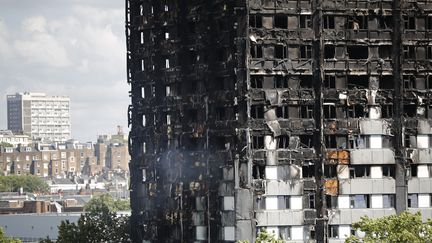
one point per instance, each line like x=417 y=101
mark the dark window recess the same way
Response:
x=192 y=27
x=256 y=51
x=329 y=81
x=357 y=52
x=429 y=82
x=386 y=82
x=219 y=83
x=306 y=81
x=282 y=112
x=330 y=171
x=219 y=143
x=429 y=22
x=358 y=22
x=222 y=24
x=255 y=21
x=389 y=201
x=258 y=171
x=410 y=110
x=355 y=111
x=306 y=140
x=385 y=22
x=329 y=51
x=359 y=171
x=221 y=55
x=190 y=143
x=414 y=169
x=308 y=171
x=281 y=52
x=331 y=201
x=220 y=113
x=412 y=200
x=305 y=21
x=428 y=52
x=192 y=56
x=409 y=22
x=256 y=82
x=257 y=111
x=409 y=81
x=189 y=87
x=330 y=141
x=359 y=201
x=280 y=82
x=409 y=52
x=191 y=115
x=283 y=142
x=388 y=171
x=306 y=51
x=384 y=52
x=257 y=142
x=359 y=82
x=329 y=22
x=387 y=111
x=329 y=111
x=306 y=111
x=281 y=21
x=311 y=198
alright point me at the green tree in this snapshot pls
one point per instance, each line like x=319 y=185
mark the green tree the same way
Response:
x=29 y=183
x=403 y=228
x=107 y=200
x=5 y=239
x=264 y=237
x=98 y=224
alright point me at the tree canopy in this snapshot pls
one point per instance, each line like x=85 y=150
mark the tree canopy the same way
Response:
x=403 y=228
x=29 y=183
x=5 y=239
x=107 y=200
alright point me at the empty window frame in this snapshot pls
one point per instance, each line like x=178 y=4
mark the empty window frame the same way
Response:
x=221 y=113
x=256 y=51
x=412 y=200
x=429 y=22
x=280 y=82
x=358 y=22
x=334 y=231
x=429 y=82
x=257 y=111
x=409 y=81
x=388 y=171
x=283 y=142
x=409 y=52
x=409 y=22
x=330 y=171
x=329 y=22
x=308 y=170
x=331 y=201
x=359 y=171
x=257 y=142
x=255 y=21
x=329 y=111
x=429 y=52
x=258 y=171
x=306 y=111
x=306 y=81
x=385 y=51
x=306 y=140
x=281 y=21
x=280 y=52
x=386 y=111
x=256 y=81
x=385 y=22
x=282 y=112
x=358 y=81
x=305 y=22
x=329 y=81
x=306 y=51
x=355 y=111
x=357 y=52
x=359 y=201
x=386 y=82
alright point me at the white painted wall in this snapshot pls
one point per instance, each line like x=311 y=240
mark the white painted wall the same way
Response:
x=229 y=233
x=271 y=202
x=423 y=200
x=270 y=142
x=422 y=141
x=228 y=203
x=296 y=202
x=343 y=201
x=375 y=141
x=271 y=172
x=296 y=232
x=422 y=171
x=344 y=231
x=377 y=201
x=376 y=172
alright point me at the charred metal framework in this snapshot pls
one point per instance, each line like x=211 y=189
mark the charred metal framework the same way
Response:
x=299 y=116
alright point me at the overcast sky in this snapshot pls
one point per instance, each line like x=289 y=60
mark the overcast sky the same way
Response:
x=67 y=47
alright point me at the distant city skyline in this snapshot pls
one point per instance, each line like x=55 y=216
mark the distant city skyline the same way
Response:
x=70 y=48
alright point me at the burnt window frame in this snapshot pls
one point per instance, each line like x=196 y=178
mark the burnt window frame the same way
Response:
x=256 y=51
x=305 y=21
x=305 y=51
x=256 y=21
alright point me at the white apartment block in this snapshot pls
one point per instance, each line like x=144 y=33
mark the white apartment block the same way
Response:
x=39 y=116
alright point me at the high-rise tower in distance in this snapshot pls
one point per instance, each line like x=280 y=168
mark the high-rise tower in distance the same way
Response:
x=39 y=116
x=296 y=116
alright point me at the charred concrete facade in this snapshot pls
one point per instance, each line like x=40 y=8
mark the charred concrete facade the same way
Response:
x=295 y=116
